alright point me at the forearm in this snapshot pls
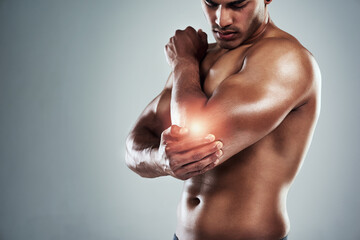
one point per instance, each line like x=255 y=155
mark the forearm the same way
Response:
x=142 y=155
x=188 y=100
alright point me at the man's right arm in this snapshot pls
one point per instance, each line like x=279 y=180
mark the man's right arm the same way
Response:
x=156 y=148
x=144 y=139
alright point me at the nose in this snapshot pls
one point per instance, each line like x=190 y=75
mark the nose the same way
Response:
x=223 y=17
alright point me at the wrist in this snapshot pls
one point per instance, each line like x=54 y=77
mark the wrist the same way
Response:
x=159 y=163
x=184 y=68
x=188 y=62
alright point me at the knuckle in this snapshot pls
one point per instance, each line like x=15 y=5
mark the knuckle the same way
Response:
x=189 y=28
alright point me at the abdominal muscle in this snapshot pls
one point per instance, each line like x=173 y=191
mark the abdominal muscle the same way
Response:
x=244 y=198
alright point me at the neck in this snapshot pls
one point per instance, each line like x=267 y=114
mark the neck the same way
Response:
x=261 y=29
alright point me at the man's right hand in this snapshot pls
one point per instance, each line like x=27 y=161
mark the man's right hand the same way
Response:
x=185 y=156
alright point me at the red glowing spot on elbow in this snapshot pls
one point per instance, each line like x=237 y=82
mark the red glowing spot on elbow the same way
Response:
x=197 y=128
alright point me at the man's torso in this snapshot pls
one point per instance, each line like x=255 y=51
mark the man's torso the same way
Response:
x=245 y=197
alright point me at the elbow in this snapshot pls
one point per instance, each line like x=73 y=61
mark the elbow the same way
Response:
x=136 y=167
x=130 y=160
x=186 y=111
x=133 y=161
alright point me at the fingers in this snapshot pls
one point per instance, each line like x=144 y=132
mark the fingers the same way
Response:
x=204 y=170
x=200 y=167
x=177 y=131
x=180 y=160
x=190 y=30
x=185 y=156
x=202 y=35
x=174 y=133
x=189 y=143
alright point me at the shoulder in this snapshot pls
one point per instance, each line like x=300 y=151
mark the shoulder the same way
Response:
x=284 y=58
x=283 y=54
x=280 y=52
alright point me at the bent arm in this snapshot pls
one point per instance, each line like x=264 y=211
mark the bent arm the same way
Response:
x=154 y=148
x=142 y=143
x=276 y=78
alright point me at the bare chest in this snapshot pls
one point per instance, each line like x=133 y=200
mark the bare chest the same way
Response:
x=219 y=65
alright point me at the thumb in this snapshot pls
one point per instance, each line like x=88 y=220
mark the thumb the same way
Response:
x=178 y=131
x=202 y=35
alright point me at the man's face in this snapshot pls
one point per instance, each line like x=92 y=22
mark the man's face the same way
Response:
x=233 y=21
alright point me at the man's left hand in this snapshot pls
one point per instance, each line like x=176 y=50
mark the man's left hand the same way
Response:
x=187 y=45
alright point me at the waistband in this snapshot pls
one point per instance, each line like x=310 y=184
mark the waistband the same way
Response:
x=176 y=238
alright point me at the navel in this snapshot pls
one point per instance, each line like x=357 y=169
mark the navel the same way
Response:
x=193 y=201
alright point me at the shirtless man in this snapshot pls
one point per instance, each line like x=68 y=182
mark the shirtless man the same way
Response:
x=234 y=121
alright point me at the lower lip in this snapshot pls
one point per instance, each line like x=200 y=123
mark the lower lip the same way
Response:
x=226 y=37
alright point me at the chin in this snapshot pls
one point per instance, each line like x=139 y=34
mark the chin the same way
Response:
x=228 y=44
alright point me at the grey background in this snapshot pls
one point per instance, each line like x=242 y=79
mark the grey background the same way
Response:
x=74 y=76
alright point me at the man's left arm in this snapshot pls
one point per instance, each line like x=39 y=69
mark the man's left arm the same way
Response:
x=278 y=76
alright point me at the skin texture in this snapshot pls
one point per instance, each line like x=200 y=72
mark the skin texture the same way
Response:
x=234 y=121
